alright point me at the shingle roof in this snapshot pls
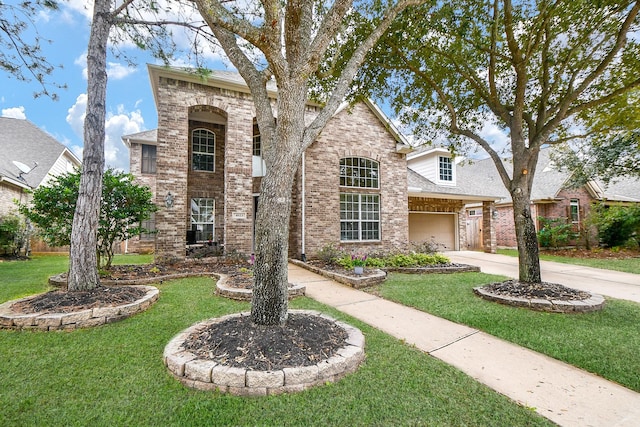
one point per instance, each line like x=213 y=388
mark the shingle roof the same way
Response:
x=418 y=184
x=24 y=142
x=482 y=175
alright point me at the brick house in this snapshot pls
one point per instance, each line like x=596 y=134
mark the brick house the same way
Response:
x=552 y=197
x=204 y=165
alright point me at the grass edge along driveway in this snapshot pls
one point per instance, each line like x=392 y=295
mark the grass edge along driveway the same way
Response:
x=606 y=343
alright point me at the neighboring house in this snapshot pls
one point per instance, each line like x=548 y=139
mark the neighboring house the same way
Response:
x=552 y=196
x=204 y=165
x=437 y=200
x=29 y=158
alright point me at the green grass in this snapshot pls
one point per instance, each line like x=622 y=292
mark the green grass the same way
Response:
x=628 y=265
x=113 y=375
x=606 y=343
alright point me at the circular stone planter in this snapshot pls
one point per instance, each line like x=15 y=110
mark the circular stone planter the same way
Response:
x=205 y=374
x=75 y=320
x=243 y=294
x=594 y=303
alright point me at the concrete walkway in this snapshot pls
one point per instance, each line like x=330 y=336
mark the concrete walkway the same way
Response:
x=562 y=393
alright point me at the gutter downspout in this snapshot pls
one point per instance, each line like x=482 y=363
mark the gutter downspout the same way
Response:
x=303 y=256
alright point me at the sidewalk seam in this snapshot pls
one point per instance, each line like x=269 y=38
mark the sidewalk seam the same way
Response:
x=474 y=332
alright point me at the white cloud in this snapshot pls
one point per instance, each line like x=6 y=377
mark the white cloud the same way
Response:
x=117 y=124
x=117 y=71
x=14 y=113
x=76 y=114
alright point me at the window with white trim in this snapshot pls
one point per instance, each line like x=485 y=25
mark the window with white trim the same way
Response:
x=574 y=210
x=445 y=168
x=203 y=218
x=359 y=172
x=359 y=217
x=203 y=143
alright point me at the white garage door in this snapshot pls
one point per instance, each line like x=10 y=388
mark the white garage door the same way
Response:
x=440 y=228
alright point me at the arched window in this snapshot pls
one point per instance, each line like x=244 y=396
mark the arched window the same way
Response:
x=359 y=172
x=203 y=143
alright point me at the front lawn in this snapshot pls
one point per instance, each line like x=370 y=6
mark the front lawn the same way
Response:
x=606 y=343
x=113 y=375
x=627 y=265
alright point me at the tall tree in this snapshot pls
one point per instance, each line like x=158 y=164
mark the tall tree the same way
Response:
x=536 y=68
x=289 y=42
x=137 y=21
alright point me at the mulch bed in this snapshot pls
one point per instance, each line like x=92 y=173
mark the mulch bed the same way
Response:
x=68 y=302
x=304 y=340
x=544 y=290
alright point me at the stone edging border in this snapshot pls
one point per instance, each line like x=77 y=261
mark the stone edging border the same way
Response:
x=242 y=294
x=75 y=320
x=356 y=282
x=207 y=375
x=594 y=303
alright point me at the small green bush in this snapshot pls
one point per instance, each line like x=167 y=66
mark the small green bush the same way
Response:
x=555 y=232
x=617 y=225
x=12 y=234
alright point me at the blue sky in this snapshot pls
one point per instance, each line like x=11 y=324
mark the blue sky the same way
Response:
x=130 y=104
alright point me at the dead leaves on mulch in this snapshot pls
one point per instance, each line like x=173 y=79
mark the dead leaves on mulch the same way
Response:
x=304 y=340
x=543 y=290
x=71 y=301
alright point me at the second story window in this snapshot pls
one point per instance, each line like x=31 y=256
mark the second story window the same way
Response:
x=149 y=157
x=257 y=145
x=445 y=168
x=359 y=172
x=203 y=142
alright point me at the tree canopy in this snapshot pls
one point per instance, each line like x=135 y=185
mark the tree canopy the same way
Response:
x=538 y=70
x=291 y=42
x=20 y=52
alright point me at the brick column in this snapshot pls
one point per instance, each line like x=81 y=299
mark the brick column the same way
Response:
x=489 y=242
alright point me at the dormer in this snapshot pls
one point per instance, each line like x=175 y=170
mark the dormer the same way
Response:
x=435 y=164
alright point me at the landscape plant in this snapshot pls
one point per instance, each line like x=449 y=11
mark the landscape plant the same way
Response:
x=617 y=225
x=555 y=232
x=12 y=234
x=124 y=204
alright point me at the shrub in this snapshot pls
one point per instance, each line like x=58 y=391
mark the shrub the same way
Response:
x=555 y=232
x=12 y=234
x=329 y=254
x=617 y=225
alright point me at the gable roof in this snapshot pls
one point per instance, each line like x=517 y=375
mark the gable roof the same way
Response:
x=144 y=137
x=22 y=141
x=234 y=81
x=419 y=186
x=548 y=181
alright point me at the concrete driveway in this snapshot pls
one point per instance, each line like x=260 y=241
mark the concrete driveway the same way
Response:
x=610 y=283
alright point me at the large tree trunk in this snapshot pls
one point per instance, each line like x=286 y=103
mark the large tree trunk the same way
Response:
x=83 y=264
x=526 y=237
x=282 y=154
